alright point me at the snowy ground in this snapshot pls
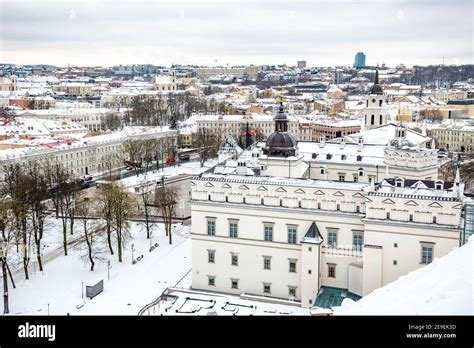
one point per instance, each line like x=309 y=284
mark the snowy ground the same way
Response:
x=445 y=287
x=131 y=286
x=182 y=302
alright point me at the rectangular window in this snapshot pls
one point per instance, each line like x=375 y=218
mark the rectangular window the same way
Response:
x=233 y=229
x=332 y=239
x=211 y=227
x=411 y=217
x=331 y=270
x=211 y=256
x=426 y=254
x=268 y=232
x=292 y=291
x=234 y=259
x=267 y=263
x=357 y=241
x=388 y=216
x=292 y=235
x=234 y=283
x=342 y=177
x=211 y=280
x=395 y=262
x=355 y=178
x=292 y=266
x=266 y=288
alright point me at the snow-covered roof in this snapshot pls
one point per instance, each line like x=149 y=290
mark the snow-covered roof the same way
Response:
x=283 y=181
x=370 y=154
x=384 y=134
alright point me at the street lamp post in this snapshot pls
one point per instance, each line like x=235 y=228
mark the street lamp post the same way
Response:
x=133 y=249
x=82 y=289
x=108 y=269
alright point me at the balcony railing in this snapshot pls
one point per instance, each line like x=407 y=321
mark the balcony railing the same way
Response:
x=343 y=251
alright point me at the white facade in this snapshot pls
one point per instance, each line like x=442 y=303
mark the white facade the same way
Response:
x=345 y=210
x=88 y=156
x=231 y=125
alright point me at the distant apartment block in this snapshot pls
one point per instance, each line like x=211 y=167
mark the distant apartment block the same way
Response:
x=331 y=129
x=454 y=138
x=250 y=71
x=301 y=64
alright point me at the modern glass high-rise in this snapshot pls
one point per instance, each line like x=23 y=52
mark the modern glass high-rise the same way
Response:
x=359 y=61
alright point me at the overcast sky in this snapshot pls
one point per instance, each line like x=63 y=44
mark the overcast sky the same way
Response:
x=214 y=32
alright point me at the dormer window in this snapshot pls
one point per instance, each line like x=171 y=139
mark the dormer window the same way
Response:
x=314 y=155
x=323 y=171
x=399 y=182
x=343 y=157
x=361 y=171
x=359 y=158
x=439 y=185
x=328 y=156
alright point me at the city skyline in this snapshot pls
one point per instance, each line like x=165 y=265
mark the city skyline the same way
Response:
x=112 y=32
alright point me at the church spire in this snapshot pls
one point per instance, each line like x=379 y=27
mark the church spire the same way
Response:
x=376 y=88
x=281 y=121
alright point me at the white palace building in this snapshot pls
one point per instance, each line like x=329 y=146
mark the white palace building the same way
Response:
x=285 y=220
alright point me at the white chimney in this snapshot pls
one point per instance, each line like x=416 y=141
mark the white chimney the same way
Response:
x=342 y=144
x=322 y=140
x=360 y=144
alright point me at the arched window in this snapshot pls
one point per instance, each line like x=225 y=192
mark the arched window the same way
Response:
x=372 y=119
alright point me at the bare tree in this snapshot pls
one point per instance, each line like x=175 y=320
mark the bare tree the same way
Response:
x=161 y=152
x=146 y=196
x=63 y=190
x=37 y=196
x=122 y=210
x=134 y=151
x=111 y=121
x=109 y=161
x=7 y=113
x=207 y=143
x=106 y=207
x=7 y=229
x=446 y=172
x=148 y=152
x=167 y=197
x=92 y=233
x=434 y=115
x=16 y=186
